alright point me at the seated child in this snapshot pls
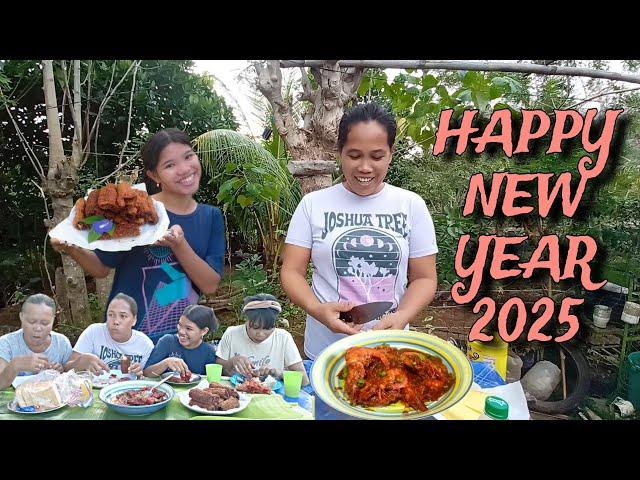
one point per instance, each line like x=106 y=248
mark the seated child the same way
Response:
x=257 y=347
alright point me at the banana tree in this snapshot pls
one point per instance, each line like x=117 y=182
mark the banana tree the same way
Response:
x=253 y=186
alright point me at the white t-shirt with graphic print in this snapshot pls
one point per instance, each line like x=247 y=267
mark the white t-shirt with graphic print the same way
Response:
x=360 y=248
x=96 y=339
x=278 y=351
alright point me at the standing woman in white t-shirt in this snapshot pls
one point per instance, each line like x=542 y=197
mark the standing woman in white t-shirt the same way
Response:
x=368 y=240
x=258 y=347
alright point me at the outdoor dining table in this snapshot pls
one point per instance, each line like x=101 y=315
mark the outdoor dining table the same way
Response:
x=261 y=407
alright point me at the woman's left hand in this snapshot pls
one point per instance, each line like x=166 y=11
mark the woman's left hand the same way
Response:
x=274 y=372
x=173 y=238
x=392 y=321
x=56 y=366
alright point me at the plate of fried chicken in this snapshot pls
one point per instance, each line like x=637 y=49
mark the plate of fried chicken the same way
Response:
x=214 y=399
x=116 y=217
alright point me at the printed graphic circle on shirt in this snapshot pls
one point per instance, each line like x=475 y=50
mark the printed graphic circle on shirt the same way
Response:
x=158 y=254
x=366 y=263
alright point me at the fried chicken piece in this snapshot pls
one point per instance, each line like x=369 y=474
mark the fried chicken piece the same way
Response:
x=118 y=218
x=108 y=198
x=125 y=192
x=79 y=216
x=229 y=403
x=211 y=401
x=91 y=206
x=220 y=386
x=223 y=392
x=123 y=230
x=153 y=215
x=145 y=207
x=203 y=399
x=125 y=206
x=141 y=202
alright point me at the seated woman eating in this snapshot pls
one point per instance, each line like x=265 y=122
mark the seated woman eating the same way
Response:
x=35 y=347
x=113 y=345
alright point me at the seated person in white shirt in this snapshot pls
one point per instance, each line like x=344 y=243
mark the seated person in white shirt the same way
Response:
x=257 y=347
x=101 y=346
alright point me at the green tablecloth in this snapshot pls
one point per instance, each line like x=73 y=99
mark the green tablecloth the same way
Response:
x=261 y=407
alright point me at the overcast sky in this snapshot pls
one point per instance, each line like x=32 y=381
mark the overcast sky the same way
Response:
x=236 y=93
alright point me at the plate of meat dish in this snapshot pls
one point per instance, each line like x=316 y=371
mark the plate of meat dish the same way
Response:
x=116 y=217
x=136 y=398
x=214 y=399
x=255 y=384
x=186 y=378
x=391 y=374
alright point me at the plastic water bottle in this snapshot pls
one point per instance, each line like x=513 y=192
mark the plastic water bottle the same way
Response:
x=495 y=408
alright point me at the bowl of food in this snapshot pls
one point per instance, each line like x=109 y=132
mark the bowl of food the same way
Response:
x=391 y=374
x=135 y=398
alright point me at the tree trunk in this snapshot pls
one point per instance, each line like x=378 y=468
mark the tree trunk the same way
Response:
x=313 y=145
x=313 y=175
x=61 y=180
x=64 y=315
x=103 y=288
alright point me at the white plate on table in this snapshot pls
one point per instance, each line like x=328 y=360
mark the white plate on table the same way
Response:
x=106 y=379
x=148 y=233
x=13 y=406
x=184 y=400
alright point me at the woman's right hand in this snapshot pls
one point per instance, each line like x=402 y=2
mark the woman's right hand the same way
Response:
x=35 y=362
x=61 y=246
x=329 y=315
x=176 y=365
x=242 y=365
x=95 y=365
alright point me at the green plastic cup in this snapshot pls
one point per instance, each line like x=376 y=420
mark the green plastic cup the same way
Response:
x=214 y=372
x=292 y=383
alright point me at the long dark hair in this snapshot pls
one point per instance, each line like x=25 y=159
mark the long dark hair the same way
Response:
x=202 y=316
x=153 y=148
